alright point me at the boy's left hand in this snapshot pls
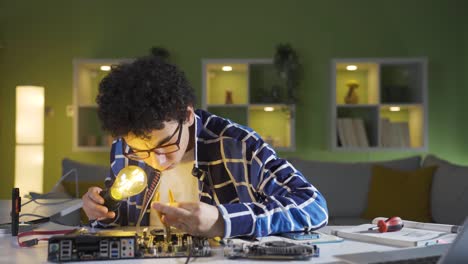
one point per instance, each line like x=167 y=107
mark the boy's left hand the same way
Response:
x=195 y=218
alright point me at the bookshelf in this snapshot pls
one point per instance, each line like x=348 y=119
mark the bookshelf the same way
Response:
x=250 y=92
x=87 y=132
x=379 y=104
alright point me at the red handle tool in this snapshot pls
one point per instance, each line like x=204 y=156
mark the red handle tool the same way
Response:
x=392 y=224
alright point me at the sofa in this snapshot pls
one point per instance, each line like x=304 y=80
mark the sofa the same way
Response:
x=347 y=187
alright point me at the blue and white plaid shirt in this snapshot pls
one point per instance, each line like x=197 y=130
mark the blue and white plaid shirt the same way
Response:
x=256 y=192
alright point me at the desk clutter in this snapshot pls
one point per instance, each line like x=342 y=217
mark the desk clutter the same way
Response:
x=405 y=233
x=84 y=245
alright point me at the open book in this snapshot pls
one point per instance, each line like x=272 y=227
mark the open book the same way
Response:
x=406 y=237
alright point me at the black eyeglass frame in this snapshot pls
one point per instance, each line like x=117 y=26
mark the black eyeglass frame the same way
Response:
x=155 y=149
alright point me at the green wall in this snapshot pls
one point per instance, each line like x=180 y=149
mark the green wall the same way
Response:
x=40 y=39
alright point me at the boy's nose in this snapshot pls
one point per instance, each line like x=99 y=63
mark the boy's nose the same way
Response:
x=158 y=161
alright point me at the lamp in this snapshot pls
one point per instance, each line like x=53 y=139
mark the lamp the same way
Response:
x=29 y=154
x=130 y=181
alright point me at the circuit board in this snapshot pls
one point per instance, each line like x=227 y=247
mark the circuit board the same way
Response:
x=274 y=250
x=111 y=245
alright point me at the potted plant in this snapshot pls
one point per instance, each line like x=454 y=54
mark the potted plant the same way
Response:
x=289 y=69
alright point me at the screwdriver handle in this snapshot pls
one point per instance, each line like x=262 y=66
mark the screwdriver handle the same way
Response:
x=391 y=224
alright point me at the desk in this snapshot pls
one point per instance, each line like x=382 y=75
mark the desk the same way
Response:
x=10 y=252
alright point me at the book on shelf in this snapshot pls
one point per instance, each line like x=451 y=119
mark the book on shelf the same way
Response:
x=341 y=132
x=411 y=235
x=360 y=132
x=352 y=132
x=403 y=132
x=394 y=134
x=349 y=132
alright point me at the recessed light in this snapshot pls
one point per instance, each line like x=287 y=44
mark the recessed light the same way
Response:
x=351 y=67
x=394 y=108
x=268 y=109
x=105 y=68
x=227 y=68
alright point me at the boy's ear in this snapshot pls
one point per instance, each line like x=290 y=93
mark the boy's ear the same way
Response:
x=190 y=115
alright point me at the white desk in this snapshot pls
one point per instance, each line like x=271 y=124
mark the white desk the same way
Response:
x=10 y=252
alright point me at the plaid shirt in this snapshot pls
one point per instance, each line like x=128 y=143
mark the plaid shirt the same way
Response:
x=256 y=192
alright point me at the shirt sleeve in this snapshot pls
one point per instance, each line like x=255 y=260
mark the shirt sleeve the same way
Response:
x=286 y=200
x=107 y=184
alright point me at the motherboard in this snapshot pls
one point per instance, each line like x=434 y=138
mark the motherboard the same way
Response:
x=111 y=245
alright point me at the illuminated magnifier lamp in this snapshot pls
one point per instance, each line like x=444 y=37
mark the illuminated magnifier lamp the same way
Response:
x=130 y=181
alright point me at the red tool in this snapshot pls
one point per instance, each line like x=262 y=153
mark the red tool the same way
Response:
x=392 y=224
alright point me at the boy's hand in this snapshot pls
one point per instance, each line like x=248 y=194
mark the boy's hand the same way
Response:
x=93 y=205
x=195 y=218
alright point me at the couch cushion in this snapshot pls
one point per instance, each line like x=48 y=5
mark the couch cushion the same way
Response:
x=345 y=185
x=406 y=194
x=88 y=175
x=449 y=191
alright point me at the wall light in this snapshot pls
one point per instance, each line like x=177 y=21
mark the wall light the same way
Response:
x=351 y=67
x=394 y=108
x=268 y=109
x=29 y=157
x=226 y=68
x=105 y=68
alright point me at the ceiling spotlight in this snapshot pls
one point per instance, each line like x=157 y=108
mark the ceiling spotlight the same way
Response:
x=105 y=68
x=268 y=109
x=351 y=67
x=394 y=108
x=227 y=68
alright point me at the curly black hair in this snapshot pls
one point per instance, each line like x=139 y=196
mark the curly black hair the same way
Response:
x=138 y=97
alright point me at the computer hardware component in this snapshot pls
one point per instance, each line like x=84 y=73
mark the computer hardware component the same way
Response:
x=274 y=250
x=109 y=245
x=301 y=235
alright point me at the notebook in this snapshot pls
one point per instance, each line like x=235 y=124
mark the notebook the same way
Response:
x=456 y=252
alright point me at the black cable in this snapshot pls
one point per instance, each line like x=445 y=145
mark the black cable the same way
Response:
x=45 y=195
x=189 y=254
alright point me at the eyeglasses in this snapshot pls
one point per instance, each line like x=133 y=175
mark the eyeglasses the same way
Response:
x=159 y=150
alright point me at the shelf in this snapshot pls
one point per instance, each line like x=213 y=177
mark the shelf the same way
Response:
x=87 y=132
x=379 y=104
x=273 y=124
x=227 y=87
x=243 y=93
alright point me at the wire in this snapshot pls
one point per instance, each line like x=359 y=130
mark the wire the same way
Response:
x=52 y=203
x=189 y=254
x=35 y=241
x=45 y=195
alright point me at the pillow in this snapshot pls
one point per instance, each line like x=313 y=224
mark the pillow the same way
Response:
x=349 y=197
x=400 y=193
x=449 y=199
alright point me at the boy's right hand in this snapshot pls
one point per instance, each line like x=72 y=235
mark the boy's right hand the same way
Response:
x=93 y=205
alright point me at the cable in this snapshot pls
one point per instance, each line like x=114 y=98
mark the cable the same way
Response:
x=35 y=241
x=45 y=195
x=189 y=254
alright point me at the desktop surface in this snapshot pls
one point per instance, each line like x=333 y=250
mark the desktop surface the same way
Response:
x=10 y=252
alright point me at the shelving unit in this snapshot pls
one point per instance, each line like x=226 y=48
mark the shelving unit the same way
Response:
x=87 y=132
x=379 y=104
x=250 y=92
